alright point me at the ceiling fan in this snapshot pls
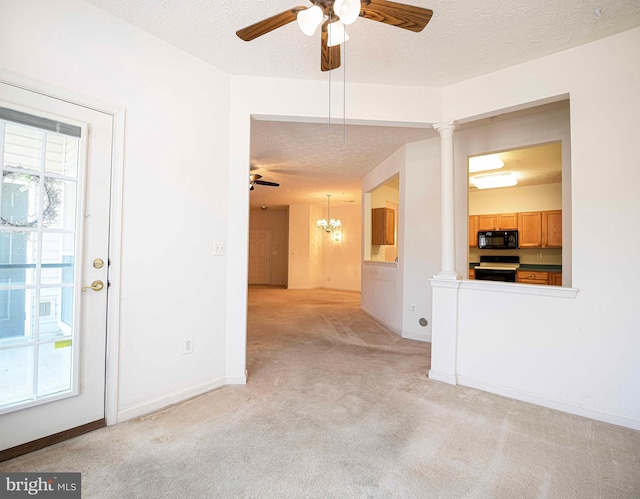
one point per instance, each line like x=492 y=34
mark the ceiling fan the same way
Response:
x=333 y=15
x=254 y=179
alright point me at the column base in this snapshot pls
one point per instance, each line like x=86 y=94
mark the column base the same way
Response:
x=447 y=275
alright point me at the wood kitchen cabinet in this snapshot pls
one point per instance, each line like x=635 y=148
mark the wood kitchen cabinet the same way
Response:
x=532 y=277
x=552 y=229
x=473 y=231
x=507 y=221
x=536 y=229
x=487 y=222
x=383 y=226
x=555 y=278
x=530 y=229
x=472 y=273
x=499 y=221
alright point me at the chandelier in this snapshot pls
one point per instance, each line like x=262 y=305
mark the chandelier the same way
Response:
x=331 y=224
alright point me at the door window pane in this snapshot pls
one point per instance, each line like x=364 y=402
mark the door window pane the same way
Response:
x=22 y=147
x=17 y=257
x=54 y=367
x=20 y=202
x=16 y=375
x=38 y=235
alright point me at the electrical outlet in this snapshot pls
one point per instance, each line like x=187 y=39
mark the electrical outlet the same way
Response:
x=218 y=248
x=539 y=255
x=413 y=308
x=187 y=345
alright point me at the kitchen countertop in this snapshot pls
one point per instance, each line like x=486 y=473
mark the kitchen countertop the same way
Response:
x=541 y=268
x=529 y=266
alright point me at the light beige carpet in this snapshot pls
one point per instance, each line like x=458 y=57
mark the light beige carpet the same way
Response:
x=338 y=406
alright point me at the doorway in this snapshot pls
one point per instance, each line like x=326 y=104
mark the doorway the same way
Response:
x=54 y=267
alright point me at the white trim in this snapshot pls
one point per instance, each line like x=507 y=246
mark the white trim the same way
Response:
x=377 y=263
x=115 y=256
x=378 y=319
x=115 y=218
x=418 y=337
x=443 y=377
x=445 y=283
x=176 y=397
x=522 y=289
x=549 y=402
x=236 y=380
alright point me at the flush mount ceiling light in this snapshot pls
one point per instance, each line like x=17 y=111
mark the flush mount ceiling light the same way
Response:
x=494 y=180
x=484 y=163
x=330 y=224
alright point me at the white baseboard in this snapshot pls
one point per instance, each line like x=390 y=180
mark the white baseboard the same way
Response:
x=550 y=403
x=443 y=377
x=378 y=319
x=418 y=337
x=176 y=397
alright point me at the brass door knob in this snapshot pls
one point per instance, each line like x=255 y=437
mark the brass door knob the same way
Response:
x=95 y=285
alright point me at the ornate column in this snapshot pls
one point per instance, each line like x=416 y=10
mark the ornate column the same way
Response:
x=447 y=258
x=445 y=284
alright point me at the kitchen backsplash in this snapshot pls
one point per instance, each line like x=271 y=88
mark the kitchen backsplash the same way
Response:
x=531 y=256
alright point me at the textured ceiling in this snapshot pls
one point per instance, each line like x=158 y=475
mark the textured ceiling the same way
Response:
x=311 y=160
x=464 y=39
x=532 y=166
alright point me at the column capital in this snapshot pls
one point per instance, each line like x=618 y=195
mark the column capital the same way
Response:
x=446 y=126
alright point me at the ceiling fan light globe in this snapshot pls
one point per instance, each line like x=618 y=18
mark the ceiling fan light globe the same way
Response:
x=347 y=10
x=337 y=34
x=309 y=19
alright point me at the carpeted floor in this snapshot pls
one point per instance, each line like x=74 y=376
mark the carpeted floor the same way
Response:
x=337 y=406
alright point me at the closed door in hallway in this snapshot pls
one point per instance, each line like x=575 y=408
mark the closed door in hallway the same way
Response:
x=259 y=256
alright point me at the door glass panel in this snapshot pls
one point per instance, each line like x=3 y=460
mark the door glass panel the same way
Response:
x=22 y=147
x=20 y=195
x=38 y=235
x=16 y=375
x=17 y=257
x=54 y=367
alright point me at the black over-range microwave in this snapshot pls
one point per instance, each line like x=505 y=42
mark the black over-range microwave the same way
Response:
x=498 y=239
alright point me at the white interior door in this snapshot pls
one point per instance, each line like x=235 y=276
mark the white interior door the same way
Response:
x=54 y=230
x=259 y=256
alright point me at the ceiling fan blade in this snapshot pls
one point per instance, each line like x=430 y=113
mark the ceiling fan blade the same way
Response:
x=396 y=14
x=265 y=26
x=330 y=56
x=264 y=182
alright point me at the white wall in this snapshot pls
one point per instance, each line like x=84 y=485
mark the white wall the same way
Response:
x=176 y=150
x=341 y=260
x=420 y=251
x=382 y=281
x=570 y=353
x=542 y=197
x=300 y=255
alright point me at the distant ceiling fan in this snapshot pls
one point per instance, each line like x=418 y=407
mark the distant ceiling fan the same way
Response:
x=334 y=15
x=254 y=179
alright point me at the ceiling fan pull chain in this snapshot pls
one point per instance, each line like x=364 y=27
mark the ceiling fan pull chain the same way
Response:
x=344 y=93
x=330 y=65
